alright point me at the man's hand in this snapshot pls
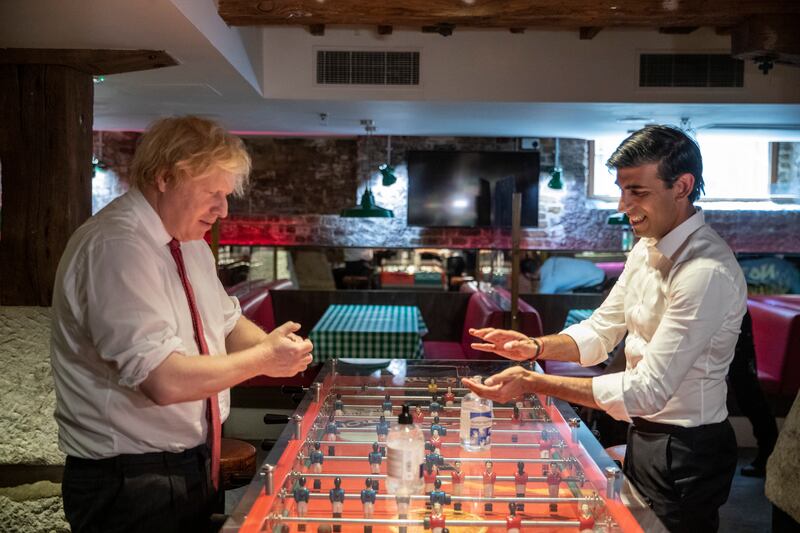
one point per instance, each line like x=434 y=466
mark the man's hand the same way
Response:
x=286 y=353
x=510 y=384
x=510 y=344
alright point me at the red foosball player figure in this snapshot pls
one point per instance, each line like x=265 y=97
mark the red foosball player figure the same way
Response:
x=585 y=519
x=553 y=482
x=435 y=442
x=336 y=496
x=513 y=520
x=457 y=481
x=516 y=420
x=436 y=521
x=520 y=483
x=429 y=475
x=449 y=397
x=418 y=416
x=489 y=477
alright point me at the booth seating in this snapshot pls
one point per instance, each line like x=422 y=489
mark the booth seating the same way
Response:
x=776 y=335
x=531 y=325
x=257 y=306
x=482 y=312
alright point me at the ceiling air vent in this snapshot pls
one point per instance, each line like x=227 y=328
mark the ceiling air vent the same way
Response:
x=367 y=68
x=690 y=70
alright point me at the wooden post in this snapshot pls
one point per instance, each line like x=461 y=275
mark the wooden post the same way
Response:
x=46 y=157
x=46 y=99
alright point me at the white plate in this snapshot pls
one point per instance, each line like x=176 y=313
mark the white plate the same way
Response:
x=365 y=362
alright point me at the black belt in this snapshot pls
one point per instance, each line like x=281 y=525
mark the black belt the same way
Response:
x=151 y=458
x=646 y=426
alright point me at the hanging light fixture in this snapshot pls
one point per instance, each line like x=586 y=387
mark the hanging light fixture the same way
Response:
x=555 y=176
x=387 y=170
x=367 y=208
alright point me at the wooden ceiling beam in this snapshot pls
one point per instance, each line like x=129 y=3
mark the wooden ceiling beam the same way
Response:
x=95 y=62
x=677 y=30
x=587 y=33
x=563 y=14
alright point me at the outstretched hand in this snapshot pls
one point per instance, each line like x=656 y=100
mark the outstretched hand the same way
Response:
x=507 y=343
x=287 y=352
x=510 y=384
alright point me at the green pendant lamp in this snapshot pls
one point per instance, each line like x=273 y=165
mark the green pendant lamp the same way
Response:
x=367 y=208
x=387 y=170
x=555 y=175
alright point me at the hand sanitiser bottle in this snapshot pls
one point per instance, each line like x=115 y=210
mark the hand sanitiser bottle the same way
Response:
x=476 y=422
x=405 y=456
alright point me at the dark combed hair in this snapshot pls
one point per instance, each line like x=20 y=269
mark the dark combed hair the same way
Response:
x=675 y=152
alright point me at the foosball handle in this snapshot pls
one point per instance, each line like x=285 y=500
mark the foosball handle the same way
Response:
x=272 y=418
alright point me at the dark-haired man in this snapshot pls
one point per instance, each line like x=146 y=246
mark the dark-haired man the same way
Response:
x=680 y=300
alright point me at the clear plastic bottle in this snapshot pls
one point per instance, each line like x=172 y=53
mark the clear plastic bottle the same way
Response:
x=405 y=455
x=476 y=422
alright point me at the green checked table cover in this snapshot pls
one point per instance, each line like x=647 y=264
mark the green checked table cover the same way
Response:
x=369 y=332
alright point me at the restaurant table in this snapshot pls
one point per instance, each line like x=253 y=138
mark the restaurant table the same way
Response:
x=369 y=332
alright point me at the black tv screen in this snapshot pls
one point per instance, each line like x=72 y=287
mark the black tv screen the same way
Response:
x=471 y=189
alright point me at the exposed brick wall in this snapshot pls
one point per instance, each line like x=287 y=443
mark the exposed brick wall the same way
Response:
x=298 y=186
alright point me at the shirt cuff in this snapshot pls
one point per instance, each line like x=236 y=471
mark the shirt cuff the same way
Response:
x=589 y=346
x=608 y=394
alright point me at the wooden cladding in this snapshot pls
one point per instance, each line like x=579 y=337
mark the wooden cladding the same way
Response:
x=565 y=14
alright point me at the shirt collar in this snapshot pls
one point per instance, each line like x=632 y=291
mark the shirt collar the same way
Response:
x=669 y=244
x=150 y=219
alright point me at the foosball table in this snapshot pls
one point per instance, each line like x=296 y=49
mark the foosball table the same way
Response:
x=544 y=470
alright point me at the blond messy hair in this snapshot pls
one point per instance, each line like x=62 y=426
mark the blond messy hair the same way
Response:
x=182 y=148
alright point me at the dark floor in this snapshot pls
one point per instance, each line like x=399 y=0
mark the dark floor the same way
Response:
x=747 y=509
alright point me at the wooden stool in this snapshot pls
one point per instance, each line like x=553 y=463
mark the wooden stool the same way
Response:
x=617 y=453
x=237 y=463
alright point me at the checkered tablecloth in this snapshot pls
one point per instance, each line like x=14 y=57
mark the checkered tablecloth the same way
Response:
x=369 y=332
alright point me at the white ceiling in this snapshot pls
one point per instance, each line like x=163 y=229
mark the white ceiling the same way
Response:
x=221 y=75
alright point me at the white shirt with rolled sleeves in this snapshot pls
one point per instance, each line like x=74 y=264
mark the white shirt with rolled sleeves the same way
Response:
x=681 y=300
x=119 y=310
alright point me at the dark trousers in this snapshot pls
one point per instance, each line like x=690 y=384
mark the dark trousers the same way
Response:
x=782 y=522
x=151 y=492
x=749 y=396
x=685 y=474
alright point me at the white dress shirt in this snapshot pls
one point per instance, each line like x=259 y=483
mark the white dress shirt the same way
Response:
x=119 y=310
x=681 y=300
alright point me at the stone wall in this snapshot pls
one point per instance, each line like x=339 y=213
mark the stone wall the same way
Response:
x=299 y=186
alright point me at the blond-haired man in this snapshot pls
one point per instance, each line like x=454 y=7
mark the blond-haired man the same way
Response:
x=136 y=303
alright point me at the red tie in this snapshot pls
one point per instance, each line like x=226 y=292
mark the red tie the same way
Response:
x=212 y=411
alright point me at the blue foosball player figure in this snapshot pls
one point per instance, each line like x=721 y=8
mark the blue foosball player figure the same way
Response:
x=316 y=458
x=338 y=406
x=437 y=426
x=331 y=430
x=375 y=457
x=300 y=495
x=336 y=496
x=387 y=406
x=437 y=495
x=382 y=429
x=368 y=496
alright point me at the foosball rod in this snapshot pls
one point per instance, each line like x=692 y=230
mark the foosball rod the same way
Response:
x=454 y=428
x=451 y=444
x=403 y=399
x=375 y=417
x=411 y=522
x=462 y=459
x=440 y=389
x=444 y=478
x=476 y=499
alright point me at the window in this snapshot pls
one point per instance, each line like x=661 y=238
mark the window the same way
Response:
x=735 y=167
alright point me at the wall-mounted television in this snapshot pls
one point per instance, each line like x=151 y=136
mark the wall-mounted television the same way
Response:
x=471 y=189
